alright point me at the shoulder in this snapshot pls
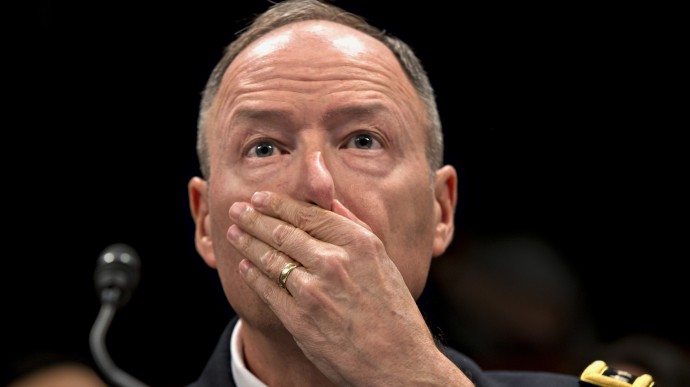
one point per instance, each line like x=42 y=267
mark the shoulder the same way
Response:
x=596 y=374
x=523 y=378
x=483 y=378
x=217 y=371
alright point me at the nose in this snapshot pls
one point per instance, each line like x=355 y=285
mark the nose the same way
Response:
x=317 y=182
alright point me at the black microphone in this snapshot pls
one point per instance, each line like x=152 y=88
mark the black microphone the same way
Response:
x=116 y=276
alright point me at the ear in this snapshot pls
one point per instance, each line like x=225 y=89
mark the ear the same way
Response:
x=446 y=191
x=198 y=204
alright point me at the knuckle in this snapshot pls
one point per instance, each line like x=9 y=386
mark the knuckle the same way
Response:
x=366 y=241
x=310 y=294
x=249 y=217
x=243 y=242
x=305 y=216
x=283 y=234
x=334 y=266
x=370 y=238
x=339 y=275
x=272 y=260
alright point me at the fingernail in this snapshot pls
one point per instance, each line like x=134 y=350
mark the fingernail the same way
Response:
x=259 y=198
x=244 y=266
x=234 y=232
x=237 y=209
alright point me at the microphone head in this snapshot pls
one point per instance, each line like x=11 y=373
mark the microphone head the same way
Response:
x=117 y=269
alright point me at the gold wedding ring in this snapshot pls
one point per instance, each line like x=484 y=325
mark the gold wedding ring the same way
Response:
x=287 y=269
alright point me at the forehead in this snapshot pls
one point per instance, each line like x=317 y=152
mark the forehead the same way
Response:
x=317 y=61
x=318 y=37
x=310 y=47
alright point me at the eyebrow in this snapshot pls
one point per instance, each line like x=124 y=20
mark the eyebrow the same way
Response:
x=254 y=114
x=282 y=115
x=359 y=110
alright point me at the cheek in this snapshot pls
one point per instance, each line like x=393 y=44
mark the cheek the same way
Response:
x=222 y=195
x=401 y=215
x=241 y=298
x=413 y=230
x=221 y=199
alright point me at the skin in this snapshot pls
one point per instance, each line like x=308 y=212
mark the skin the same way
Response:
x=61 y=375
x=345 y=190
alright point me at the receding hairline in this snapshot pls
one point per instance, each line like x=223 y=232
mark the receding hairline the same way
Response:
x=294 y=11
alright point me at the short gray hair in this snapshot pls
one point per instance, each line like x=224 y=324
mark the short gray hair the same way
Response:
x=292 y=11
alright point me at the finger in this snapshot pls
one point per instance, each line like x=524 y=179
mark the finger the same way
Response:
x=269 y=260
x=279 y=300
x=275 y=233
x=322 y=224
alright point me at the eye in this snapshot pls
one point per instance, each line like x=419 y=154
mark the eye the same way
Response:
x=263 y=149
x=364 y=141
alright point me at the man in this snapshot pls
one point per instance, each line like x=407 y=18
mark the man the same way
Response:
x=322 y=203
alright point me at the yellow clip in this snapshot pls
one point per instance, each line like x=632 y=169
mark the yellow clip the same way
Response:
x=599 y=374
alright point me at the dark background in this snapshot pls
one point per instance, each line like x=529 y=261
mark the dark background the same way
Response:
x=562 y=122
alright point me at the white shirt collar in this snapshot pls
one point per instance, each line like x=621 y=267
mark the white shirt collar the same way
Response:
x=240 y=373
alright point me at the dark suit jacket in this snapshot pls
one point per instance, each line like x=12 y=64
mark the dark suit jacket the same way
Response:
x=218 y=373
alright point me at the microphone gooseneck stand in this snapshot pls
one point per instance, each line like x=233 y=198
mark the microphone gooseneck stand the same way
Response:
x=116 y=276
x=97 y=342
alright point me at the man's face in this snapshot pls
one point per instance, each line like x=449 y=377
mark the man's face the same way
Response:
x=320 y=111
